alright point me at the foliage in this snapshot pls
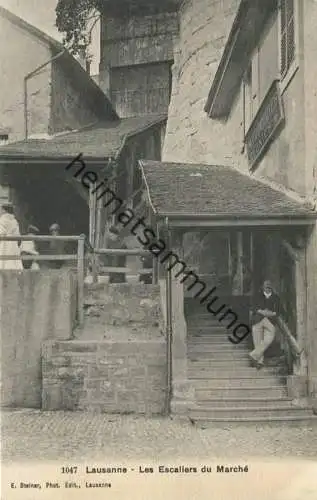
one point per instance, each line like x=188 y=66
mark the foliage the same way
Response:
x=76 y=18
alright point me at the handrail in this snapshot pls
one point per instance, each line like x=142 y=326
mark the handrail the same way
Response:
x=122 y=251
x=40 y=257
x=88 y=245
x=123 y=270
x=292 y=342
x=34 y=237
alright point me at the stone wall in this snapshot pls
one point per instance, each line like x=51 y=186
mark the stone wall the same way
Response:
x=20 y=53
x=112 y=377
x=137 y=39
x=136 y=55
x=125 y=305
x=191 y=136
x=33 y=307
x=72 y=107
x=117 y=362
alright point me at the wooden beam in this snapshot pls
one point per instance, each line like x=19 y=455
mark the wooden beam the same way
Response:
x=290 y=250
x=239 y=222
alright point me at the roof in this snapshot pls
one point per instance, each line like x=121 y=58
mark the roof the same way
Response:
x=103 y=140
x=44 y=37
x=245 y=32
x=82 y=79
x=218 y=192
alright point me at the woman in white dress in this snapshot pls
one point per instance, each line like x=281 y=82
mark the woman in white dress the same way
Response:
x=9 y=226
x=28 y=248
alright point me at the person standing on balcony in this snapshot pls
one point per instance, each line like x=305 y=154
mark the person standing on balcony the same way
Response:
x=147 y=263
x=28 y=248
x=116 y=260
x=265 y=312
x=56 y=247
x=9 y=226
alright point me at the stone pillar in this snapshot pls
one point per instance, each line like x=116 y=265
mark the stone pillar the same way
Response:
x=297 y=383
x=182 y=392
x=311 y=334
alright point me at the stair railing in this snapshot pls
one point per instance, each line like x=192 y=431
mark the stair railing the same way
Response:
x=289 y=345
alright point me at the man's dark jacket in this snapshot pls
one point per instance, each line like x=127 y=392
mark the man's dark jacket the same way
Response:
x=271 y=303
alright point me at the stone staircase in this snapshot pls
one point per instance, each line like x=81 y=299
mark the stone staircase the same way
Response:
x=226 y=387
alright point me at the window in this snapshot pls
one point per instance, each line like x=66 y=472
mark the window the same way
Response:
x=262 y=71
x=287 y=27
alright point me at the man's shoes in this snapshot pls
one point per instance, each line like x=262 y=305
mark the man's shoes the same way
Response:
x=252 y=360
x=257 y=364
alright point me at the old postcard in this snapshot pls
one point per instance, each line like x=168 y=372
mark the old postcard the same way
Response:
x=158 y=249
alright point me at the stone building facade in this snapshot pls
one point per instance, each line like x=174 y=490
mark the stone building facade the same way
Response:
x=137 y=42
x=224 y=110
x=44 y=90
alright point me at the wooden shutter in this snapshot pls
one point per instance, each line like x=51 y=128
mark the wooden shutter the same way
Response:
x=287 y=35
x=290 y=18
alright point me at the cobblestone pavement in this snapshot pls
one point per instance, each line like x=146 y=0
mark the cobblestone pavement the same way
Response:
x=32 y=434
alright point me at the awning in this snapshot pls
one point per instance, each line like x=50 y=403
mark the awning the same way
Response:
x=215 y=195
x=97 y=142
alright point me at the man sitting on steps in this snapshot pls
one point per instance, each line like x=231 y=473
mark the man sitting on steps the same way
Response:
x=265 y=311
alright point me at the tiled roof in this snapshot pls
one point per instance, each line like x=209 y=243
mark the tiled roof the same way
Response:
x=102 y=140
x=178 y=189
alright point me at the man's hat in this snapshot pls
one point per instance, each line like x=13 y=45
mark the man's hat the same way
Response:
x=54 y=227
x=32 y=229
x=268 y=284
x=113 y=230
x=7 y=205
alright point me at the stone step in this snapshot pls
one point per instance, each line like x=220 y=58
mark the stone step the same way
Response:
x=290 y=420
x=216 y=354
x=206 y=321
x=241 y=373
x=219 y=344
x=245 y=402
x=215 y=339
x=206 y=331
x=222 y=361
x=229 y=364
x=210 y=355
x=219 y=381
x=206 y=325
x=230 y=372
x=208 y=338
x=267 y=412
x=216 y=347
x=208 y=335
x=240 y=393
